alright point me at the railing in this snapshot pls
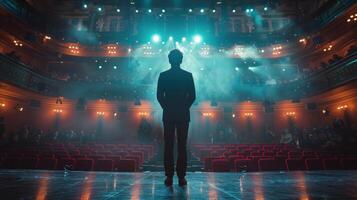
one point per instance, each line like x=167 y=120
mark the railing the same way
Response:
x=335 y=75
x=18 y=74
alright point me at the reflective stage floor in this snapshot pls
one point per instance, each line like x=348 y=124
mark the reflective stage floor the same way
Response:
x=30 y=184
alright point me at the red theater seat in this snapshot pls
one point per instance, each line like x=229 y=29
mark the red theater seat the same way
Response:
x=28 y=163
x=103 y=165
x=271 y=165
x=47 y=163
x=65 y=162
x=208 y=162
x=295 y=164
x=125 y=165
x=10 y=163
x=331 y=164
x=349 y=163
x=220 y=165
x=84 y=165
x=314 y=164
x=246 y=165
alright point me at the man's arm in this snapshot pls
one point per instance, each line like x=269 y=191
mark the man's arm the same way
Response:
x=160 y=93
x=191 y=91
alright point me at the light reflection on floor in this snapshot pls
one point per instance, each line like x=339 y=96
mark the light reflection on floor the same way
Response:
x=310 y=185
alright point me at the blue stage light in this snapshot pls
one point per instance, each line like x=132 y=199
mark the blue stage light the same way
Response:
x=114 y=67
x=197 y=39
x=265 y=8
x=213 y=10
x=171 y=38
x=85 y=5
x=99 y=9
x=202 y=10
x=100 y=66
x=183 y=39
x=149 y=10
x=233 y=11
x=156 y=38
x=163 y=11
x=247 y=10
x=118 y=10
x=190 y=10
x=251 y=10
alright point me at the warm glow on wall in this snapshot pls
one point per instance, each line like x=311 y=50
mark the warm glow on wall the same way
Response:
x=74 y=49
x=290 y=114
x=328 y=48
x=2 y=105
x=17 y=43
x=207 y=114
x=112 y=50
x=343 y=107
x=277 y=50
x=57 y=110
x=144 y=114
x=100 y=113
x=352 y=18
x=248 y=114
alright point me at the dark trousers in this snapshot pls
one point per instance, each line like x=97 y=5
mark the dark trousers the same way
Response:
x=169 y=137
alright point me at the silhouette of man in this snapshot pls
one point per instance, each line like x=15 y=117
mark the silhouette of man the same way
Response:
x=176 y=94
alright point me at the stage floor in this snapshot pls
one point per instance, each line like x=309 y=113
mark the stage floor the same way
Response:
x=309 y=185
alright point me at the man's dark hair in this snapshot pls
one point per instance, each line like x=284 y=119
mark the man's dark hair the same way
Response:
x=175 y=57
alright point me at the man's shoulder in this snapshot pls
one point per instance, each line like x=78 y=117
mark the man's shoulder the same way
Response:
x=170 y=71
x=186 y=72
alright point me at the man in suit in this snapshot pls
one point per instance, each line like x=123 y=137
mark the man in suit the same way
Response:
x=176 y=94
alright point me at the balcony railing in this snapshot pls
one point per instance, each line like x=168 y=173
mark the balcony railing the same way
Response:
x=335 y=75
x=18 y=74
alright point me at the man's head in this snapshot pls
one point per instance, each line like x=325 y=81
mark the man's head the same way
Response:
x=175 y=58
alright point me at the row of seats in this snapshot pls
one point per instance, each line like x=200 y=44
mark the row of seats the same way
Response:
x=128 y=165
x=103 y=157
x=269 y=157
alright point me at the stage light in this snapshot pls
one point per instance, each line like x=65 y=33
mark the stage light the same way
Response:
x=176 y=43
x=248 y=114
x=114 y=67
x=190 y=10
x=115 y=114
x=85 y=6
x=343 y=107
x=247 y=10
x=21 y=109
x=136 y=11
x=99 y=9
x=202 y=10
x=197 y=39
x=251 y=10
x=265 y=8
x=233 y=115
x=149 y=10
x=171 y=38
x=100 y=113
x=118 y=10
x=57 y=110
x=233 y=11
x=156 y=38
x=183 y=39
x=163 y=11
x=100 y=67
x=213 y=10
x=290 y=114
x=207 y=114
x=2 y=104
x=236 y=68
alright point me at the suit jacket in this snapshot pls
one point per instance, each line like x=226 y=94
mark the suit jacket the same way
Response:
x=176 y=94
